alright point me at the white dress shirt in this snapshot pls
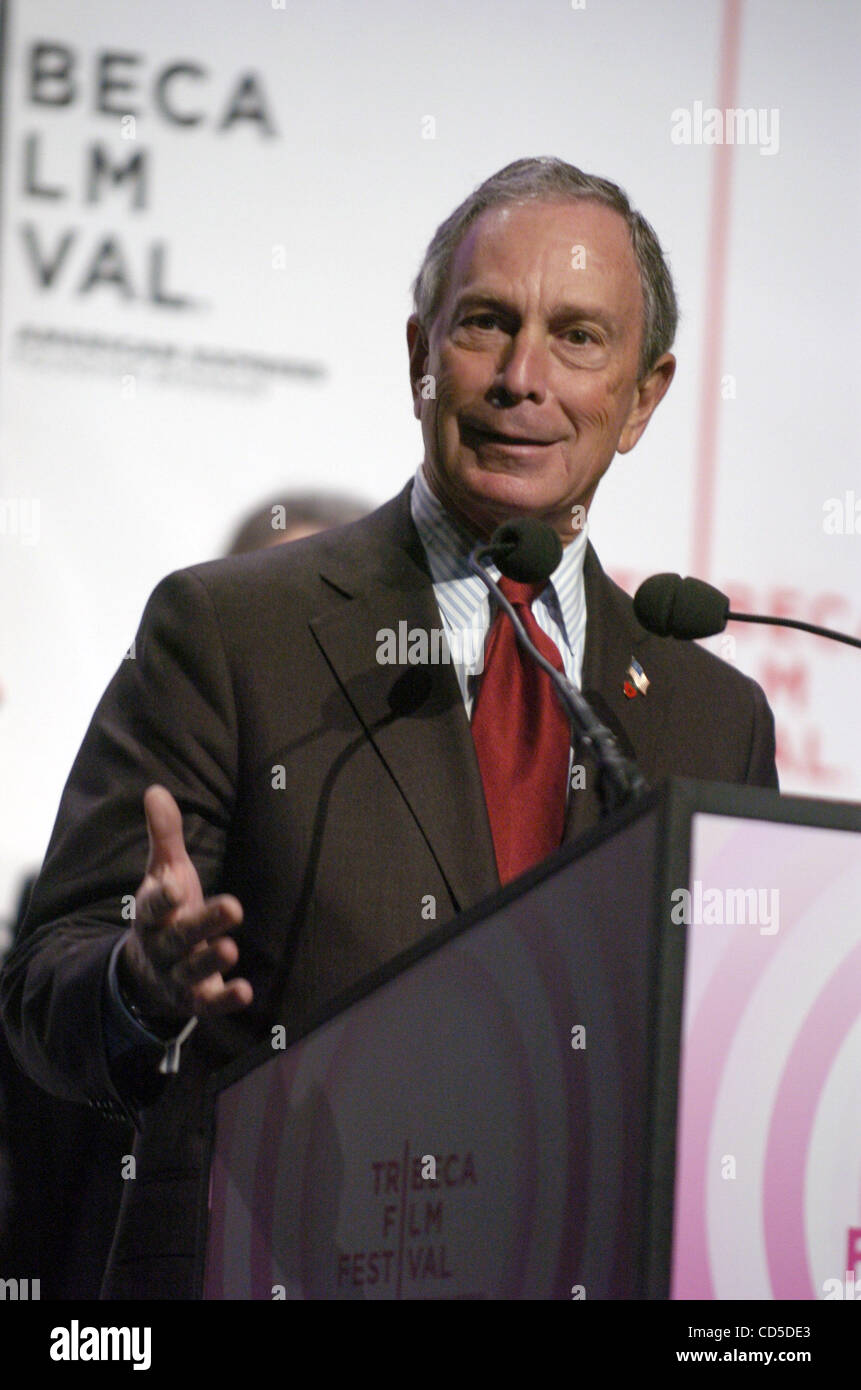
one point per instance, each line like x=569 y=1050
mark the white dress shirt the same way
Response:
x=464 y=602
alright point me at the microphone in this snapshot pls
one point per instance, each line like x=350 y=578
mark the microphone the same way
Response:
x=528 y=551
x=671 y=606
x=525 y=549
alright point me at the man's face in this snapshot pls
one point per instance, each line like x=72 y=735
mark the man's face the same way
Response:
x=533 y=361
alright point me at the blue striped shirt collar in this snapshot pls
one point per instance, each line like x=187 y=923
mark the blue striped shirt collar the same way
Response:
x=459 y=592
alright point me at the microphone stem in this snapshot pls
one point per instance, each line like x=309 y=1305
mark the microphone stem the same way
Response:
x=795 y=622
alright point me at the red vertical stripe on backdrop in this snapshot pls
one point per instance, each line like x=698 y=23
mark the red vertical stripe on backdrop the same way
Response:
x=716 y=270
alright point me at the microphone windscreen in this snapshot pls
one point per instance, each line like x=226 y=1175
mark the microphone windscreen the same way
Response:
x=526 y=549
x=674 y=607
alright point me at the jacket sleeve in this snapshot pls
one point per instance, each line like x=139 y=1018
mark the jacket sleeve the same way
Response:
x=167 y=716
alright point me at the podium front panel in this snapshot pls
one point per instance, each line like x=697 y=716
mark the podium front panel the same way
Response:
x=477 y=1127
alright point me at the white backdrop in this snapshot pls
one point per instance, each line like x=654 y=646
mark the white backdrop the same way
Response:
x=289 y=176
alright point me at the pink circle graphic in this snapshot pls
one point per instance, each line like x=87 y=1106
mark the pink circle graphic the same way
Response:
x=816 y=1044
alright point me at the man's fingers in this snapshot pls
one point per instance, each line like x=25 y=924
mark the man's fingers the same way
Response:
x=208 y=958
x=164 y=828
x=213 y=996
x=169 y=942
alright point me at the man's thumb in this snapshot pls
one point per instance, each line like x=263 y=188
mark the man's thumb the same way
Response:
x=164 y=827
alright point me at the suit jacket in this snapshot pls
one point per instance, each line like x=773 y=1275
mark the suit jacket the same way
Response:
x=330 y=793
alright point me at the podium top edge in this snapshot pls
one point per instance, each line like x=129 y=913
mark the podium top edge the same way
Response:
x=760 y=803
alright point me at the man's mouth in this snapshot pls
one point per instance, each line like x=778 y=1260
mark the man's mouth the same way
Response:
x=476 y=435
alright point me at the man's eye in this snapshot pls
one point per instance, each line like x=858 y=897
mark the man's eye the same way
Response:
x=579 y=336
x=484 y=320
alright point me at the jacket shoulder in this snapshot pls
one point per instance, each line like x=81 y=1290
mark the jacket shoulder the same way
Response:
x=345 y=558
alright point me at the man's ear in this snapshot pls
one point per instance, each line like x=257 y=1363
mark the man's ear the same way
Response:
x=417 y=344
x=650 y=392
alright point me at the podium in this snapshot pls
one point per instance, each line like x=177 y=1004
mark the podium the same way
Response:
x=635 y=1073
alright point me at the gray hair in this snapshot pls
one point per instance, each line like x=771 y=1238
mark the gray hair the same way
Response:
x=552 y=180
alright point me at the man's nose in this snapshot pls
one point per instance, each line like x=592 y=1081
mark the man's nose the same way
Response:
x=522 y=369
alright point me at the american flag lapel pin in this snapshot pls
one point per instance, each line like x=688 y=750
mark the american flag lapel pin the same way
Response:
x=637 y=682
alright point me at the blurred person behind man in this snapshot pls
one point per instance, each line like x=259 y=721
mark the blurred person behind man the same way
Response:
x=293 y=516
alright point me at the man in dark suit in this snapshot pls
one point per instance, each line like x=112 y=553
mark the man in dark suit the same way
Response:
x=297 y=786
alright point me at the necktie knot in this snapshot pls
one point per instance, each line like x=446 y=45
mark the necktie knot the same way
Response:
x=521 y=594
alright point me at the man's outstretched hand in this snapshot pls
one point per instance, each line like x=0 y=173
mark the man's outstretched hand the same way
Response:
x=175 y=958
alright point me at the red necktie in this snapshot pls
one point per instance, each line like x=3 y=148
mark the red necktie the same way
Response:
x=522 y=739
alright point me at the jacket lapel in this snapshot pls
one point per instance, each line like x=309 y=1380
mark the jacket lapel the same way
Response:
x=414 y=714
